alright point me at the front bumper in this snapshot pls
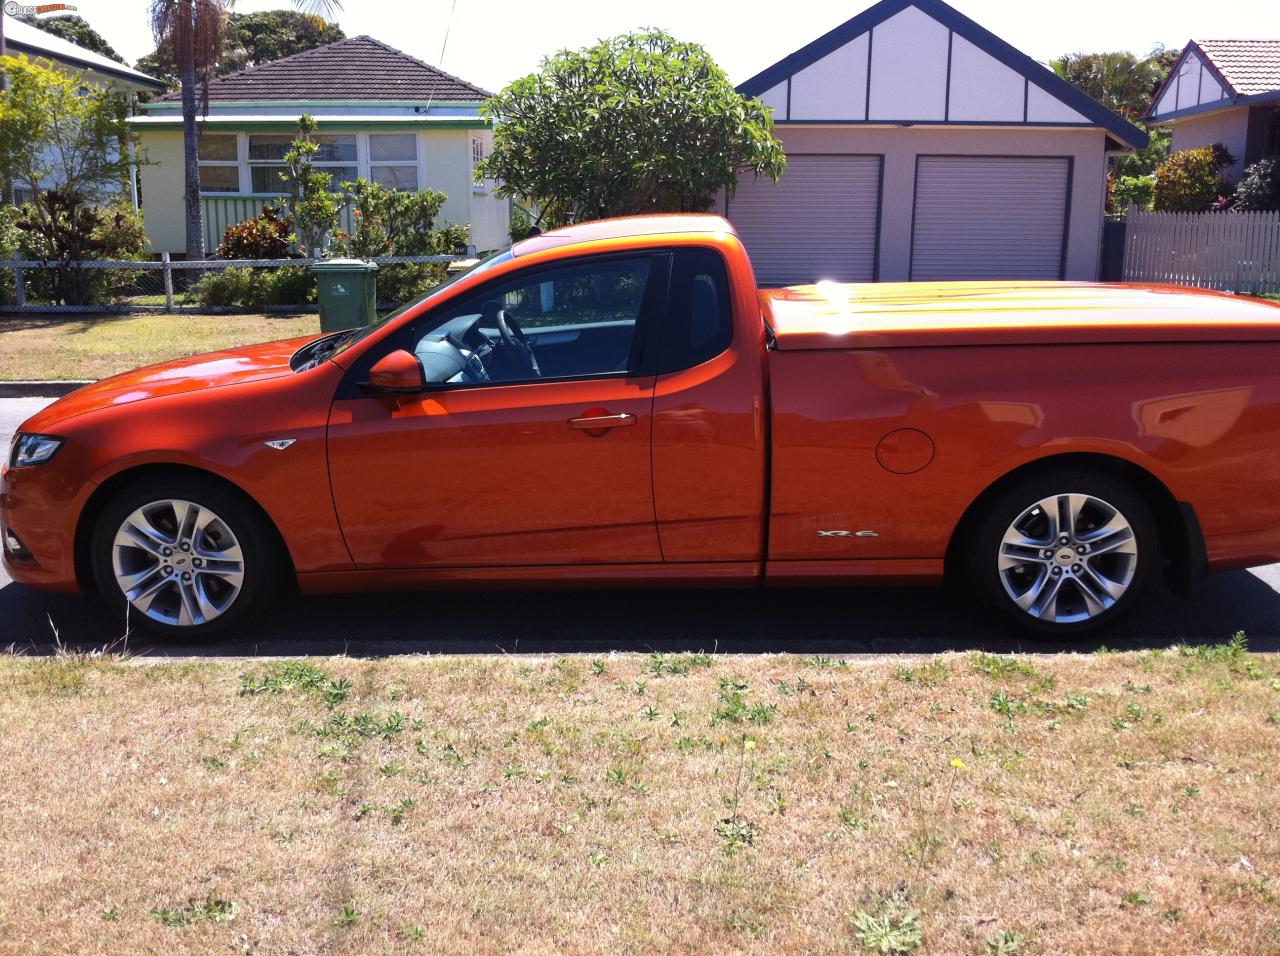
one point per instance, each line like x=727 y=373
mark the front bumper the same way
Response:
x=40 y=508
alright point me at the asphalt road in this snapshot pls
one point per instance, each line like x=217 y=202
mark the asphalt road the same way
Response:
x=829 y=622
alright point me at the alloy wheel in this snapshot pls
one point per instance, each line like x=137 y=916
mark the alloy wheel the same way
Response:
x=1068 y=558
x=178 y=563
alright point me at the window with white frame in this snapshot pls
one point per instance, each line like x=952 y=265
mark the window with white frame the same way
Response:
x=393 y=160
x=336 y=156
x=479 y=150
x=219 y=163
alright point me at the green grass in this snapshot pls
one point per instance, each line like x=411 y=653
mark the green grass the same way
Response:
x=60 y=348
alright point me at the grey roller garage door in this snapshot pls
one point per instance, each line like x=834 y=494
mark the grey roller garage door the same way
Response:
x=820 y=222
x=990 y=217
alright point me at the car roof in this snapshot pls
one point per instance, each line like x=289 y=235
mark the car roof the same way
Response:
x=624 y=227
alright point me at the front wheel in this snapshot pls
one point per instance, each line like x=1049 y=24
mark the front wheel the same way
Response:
x=1061 y=555
x=184 y=558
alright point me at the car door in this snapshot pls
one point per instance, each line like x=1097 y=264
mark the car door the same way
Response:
x=522 y=468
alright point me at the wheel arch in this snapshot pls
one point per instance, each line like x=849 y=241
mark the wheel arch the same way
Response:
x=103 y=493
x=1181 y=540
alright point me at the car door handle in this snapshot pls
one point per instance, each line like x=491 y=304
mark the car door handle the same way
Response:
x=592 y=423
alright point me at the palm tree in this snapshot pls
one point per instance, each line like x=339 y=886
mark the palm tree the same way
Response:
x=194 y=30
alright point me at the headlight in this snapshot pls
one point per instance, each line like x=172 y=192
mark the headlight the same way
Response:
x=32 y=449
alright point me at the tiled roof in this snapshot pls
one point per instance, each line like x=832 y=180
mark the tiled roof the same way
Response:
x=360 y=68
x=1250 y=66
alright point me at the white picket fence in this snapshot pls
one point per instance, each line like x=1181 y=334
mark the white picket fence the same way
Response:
x=1231 y=251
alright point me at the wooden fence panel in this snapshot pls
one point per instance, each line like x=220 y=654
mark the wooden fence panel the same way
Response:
x=1233 y=251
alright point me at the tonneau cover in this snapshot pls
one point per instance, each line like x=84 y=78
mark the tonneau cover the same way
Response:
x=833 y=315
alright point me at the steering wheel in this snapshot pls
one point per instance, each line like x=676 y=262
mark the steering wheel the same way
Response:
x=515 y=339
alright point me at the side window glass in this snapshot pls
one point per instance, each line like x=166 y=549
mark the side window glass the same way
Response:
x=567 y=321
x=699 y=320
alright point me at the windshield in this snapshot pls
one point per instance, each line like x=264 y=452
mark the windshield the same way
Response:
x=323 y=349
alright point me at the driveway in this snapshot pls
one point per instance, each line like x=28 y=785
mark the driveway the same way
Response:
x=827 y=622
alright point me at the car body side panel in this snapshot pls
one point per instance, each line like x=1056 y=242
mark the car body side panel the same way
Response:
x=710 y=440
x=1204 y=419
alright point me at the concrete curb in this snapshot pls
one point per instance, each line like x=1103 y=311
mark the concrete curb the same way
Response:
x=39 y=389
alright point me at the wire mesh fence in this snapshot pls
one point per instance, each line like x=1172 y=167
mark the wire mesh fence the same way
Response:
x=205 y=286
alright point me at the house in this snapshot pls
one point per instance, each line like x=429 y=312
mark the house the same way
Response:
x=22 y=39
x=1223 y=91
x=382 y=115
x=921 y=146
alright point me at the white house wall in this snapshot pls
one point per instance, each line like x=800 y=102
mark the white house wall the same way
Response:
x=919 y=71
x=1044 y=108
x=1193 y=84
x=982 y=88
x=835 y=87
x=909 y=68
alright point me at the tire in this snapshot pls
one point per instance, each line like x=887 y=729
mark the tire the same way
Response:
x=1023 y=568
x=192 y=582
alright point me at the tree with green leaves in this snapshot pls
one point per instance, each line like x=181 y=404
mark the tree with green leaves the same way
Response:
x=311 y=205
x=635 y=124
x=195 y=30
x=1120 y=81
x=59 y=133
x=253 y=39
x=76 y=30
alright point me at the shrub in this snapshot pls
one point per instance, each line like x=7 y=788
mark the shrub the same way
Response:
x=9 y=240
x=1259 y=190
x=256 y=288
x=1191 y=180
x=72 y=230
x=266 y=237
x=1138 y=190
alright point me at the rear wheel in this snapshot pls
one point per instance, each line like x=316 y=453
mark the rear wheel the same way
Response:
x=185 y=558
x=1062 y=555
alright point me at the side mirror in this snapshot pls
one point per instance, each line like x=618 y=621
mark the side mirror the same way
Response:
x=398 y=371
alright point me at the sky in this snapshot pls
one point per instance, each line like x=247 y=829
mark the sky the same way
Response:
x=491 y=42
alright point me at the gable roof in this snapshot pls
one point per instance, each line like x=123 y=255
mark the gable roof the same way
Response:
x=34 y=43
x=960 y=25
x=1248 y=66
x=358 y=68
x=1234 y=72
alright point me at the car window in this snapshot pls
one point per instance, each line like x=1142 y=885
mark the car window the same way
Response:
x=699 y=320
x=556 y=322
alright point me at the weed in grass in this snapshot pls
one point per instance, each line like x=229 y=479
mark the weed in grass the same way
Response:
x=735 y=834
x=1077 y=702
x=347 y=916
x=214 y=762
x=296 y=675
x=740 y=923
x=209 y=910
x=396 y=812
x=1005 y=943
x=822 y=663
x=932 y=674
x=1000 y=666
x=599 y=667
x=889 y=926
x=651 y=713
x=852 y=821
x=415 y=934
x=660 y=664
x=732 y=706
x=110 y=913
x=1135 y=898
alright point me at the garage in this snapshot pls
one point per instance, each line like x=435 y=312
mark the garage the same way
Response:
x=963 y=157
x=820 y=222
x=990 y=217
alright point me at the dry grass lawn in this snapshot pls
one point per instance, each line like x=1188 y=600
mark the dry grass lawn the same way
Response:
x=1110 y=803
x=71 y=347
